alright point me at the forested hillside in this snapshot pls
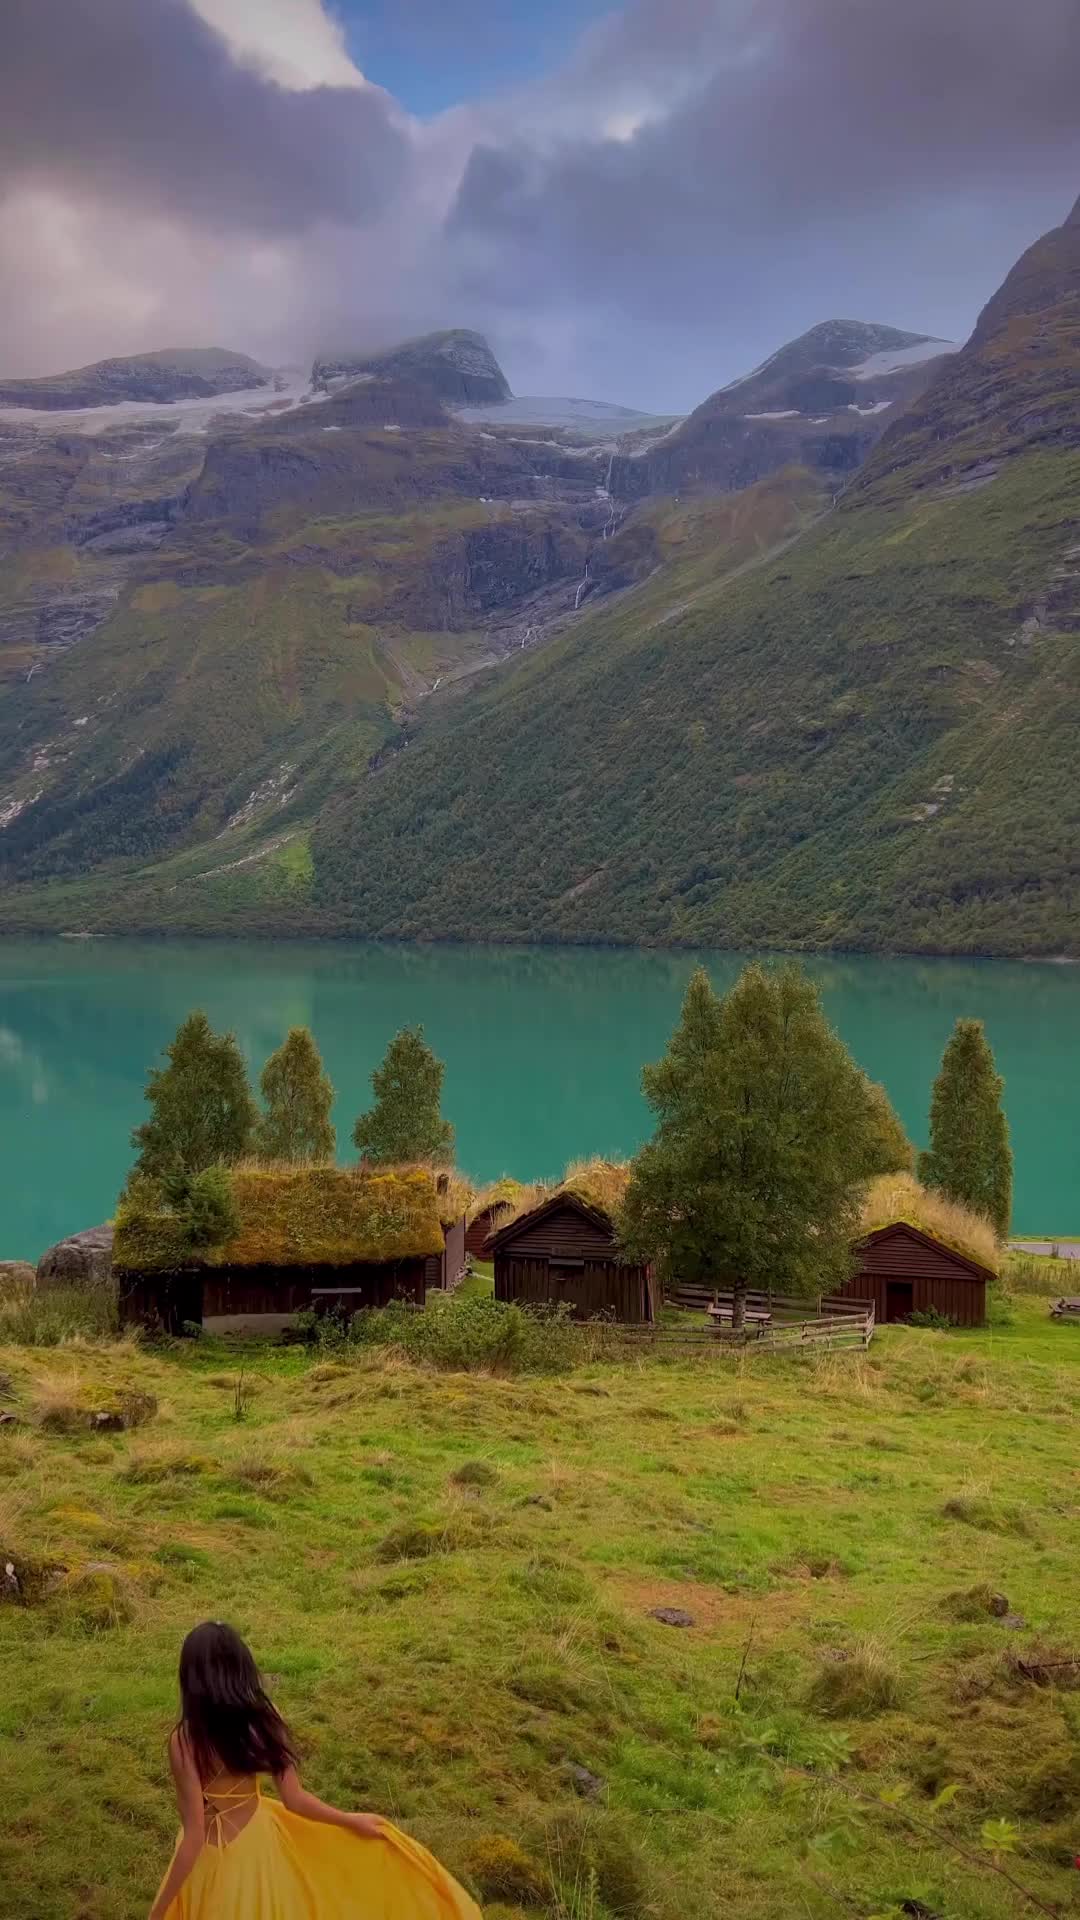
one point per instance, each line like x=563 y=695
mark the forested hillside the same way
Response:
x=869 y=742
x=785 y=715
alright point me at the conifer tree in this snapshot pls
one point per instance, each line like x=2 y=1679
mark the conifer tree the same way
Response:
x=765 y=1130
x=888 y=1149
x=405 y=1122
x=298 y=1097
x=202 y=1112
x=969 y=1158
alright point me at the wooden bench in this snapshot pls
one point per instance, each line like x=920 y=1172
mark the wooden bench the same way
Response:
x=755 y=1318
x=1067 y=1308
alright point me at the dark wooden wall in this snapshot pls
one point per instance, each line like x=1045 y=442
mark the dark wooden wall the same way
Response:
x=478 y=1230
x=444 y=1268
x=937 y=1279
x=594 y=1288
x=168 y=1301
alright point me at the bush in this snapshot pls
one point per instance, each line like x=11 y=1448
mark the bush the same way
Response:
x=471 y=1335
x=205 y=1205
x=930 y=1317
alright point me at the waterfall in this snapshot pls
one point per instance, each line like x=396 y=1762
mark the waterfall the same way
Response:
x=583 y=585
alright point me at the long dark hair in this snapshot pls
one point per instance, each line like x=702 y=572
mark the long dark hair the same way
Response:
x=227 y=1719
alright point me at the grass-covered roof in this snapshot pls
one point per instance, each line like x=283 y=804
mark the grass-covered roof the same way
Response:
x=601 y=1184
x=505 y=1195
x=898 y=1197
x=289 y=1216
x=456 y=1195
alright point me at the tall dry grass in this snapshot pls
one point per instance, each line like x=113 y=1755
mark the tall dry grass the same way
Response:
x=899 y=1196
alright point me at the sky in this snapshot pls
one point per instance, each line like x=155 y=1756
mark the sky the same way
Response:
x=635 y=203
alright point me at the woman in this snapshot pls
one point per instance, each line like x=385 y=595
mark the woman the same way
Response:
x=240 y=1857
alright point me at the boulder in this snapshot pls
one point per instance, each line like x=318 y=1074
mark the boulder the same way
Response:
x=83 y=1259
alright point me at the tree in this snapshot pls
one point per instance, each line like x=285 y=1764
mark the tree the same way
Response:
x=969 y=1158
x=202 y=1111
x=766 y=1129
x=204 y=1203
x=888 y=1149
x=298 y=1095
x=405 y=1123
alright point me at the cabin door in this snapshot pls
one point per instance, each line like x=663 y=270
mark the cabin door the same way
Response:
x=899 y=1299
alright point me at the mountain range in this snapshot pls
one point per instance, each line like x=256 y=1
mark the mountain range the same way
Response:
x=378 y=650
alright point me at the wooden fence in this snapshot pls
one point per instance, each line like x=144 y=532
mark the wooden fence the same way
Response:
x=847 y=1324
x=781 y=1306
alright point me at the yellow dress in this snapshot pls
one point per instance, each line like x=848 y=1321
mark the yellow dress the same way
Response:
x=281 y=1866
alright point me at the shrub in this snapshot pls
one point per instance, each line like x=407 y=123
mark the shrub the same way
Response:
x=855 y=1685
x=479 y=1335
x=930 y=1317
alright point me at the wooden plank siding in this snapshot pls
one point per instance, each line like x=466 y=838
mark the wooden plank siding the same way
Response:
x=564 y=1253
x=263 y=1299
x=595 y=1288
x=903 y=1270
x=445 y=1269
x=485 y=1222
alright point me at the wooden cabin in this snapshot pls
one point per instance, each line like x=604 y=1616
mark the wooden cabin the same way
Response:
x=493 y=1207
x=905 y=1269
x=483 y=1225
x=322 y=1237
x=564 y=1251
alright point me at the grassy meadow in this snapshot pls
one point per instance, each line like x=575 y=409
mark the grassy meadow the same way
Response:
x=451 y=1578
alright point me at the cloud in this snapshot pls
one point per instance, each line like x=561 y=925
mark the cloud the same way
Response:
x=700 y=180
x=293 y=42
x=142 y=103
x=792 y=159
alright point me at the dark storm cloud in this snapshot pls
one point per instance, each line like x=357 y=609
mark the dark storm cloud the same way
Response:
x=803 y=156
x=140 y=103
x=702 y=180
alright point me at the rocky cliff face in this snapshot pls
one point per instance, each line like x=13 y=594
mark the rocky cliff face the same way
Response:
x=821 y=402
x=174 y=374
x=1014 y=387
x=458 y=366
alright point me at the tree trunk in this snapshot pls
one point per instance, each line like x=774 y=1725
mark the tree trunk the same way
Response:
x=738 y=1306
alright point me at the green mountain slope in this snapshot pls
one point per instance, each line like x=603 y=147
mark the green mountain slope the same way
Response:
x=868 y=743
x=759 y=716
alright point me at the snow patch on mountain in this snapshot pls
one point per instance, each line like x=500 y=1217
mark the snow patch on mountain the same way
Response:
x=896 y=359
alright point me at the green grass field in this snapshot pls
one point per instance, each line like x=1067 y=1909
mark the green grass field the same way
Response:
x=451 y=1579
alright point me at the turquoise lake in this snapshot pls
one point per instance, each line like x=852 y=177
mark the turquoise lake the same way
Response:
x=543 y=1049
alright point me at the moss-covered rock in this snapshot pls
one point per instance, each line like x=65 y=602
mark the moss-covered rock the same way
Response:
x=502 y=1870
x=27 y=1579
x=102 y=1409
